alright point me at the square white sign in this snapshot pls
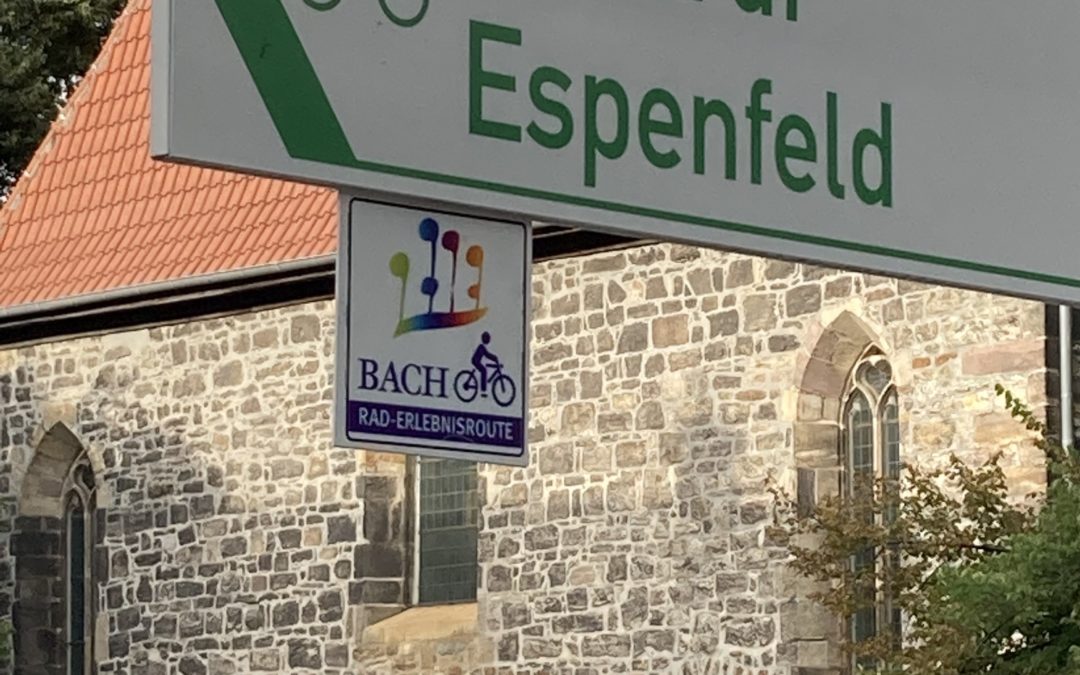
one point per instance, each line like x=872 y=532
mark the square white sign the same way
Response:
x=432 y=333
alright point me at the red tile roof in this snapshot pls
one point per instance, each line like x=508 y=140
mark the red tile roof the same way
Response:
x=94 y=213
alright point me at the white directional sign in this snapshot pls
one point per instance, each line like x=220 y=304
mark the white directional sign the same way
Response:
x=432 y=333
x=917 y=137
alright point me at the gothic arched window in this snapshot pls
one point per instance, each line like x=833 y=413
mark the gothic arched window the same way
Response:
x=871 y=452
x=80 y=601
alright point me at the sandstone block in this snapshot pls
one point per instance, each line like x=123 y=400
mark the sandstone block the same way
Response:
x=541 y=648
x=657 y=640
x=650 y=415
x=1003 y=358
x=934 y=435
x=305 y=328
x=508 y=647
x=755 y=632
x=634 y=338
x=565 y=305
x=229 y=375
x=803 y=300
x=759 y=312
x=305 y=653
x=578 y=418
x=268 y=660
x=670 y=331
x=724 y=323
x=608 y=263
x=740 y=273
x=606 y=644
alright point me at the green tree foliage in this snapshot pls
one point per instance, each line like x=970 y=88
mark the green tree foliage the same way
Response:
x=45 y=47
x=986 y=585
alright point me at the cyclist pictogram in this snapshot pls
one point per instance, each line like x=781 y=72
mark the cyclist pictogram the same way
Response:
x=486 y=376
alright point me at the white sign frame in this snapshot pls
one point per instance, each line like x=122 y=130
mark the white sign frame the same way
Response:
x=355 y=315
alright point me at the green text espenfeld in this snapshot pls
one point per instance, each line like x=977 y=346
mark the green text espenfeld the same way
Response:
x=697 y=133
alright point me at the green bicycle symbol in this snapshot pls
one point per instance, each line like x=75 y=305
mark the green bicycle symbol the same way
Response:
x=396 y=19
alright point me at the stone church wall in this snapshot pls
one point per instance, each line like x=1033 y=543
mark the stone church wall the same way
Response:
x=230 y=526
x=668 y=383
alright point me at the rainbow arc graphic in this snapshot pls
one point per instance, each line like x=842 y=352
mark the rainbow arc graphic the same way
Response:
x=401 y=267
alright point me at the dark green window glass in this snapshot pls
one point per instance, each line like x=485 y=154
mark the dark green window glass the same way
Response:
x=860 y=424
x=76 y=573
x=890 y=432
x=449 y=518
x=864 y=622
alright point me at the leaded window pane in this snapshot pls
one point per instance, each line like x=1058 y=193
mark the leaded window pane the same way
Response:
x=891 y=436
x=890 y=433
x=76 y=585
x=872 y=449
x=449 y=517
x=864 y=622
x=860 y=424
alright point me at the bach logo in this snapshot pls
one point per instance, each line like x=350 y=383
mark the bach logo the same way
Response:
x=448 y=314
x=486 y=379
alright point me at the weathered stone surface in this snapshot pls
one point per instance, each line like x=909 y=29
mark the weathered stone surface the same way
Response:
x=540 y=538
x=759 y=313
x=934 y=434
x=305 y=328
x=670 y=331
x=750 y=632
x=634 y=338
x=305 y=654
x=606 y=644
x=650 y=416
x=803 y=300
x=667 y=383
x=266 y=660
x=229 y=375
x=508 y=647
x=578 y=418
x=608 y=263
x=1020 y=356
x=724 y=323
x=740 y=273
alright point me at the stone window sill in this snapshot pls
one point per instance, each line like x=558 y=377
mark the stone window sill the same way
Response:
x=423 y=624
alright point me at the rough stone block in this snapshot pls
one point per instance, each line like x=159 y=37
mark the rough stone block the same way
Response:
x=305 y=653
x=803 y=300
x=1024 y=355
x=759 y=313
x=656 y=640
x=634 y=338
x=670 y=331
x=606 y=645
x=229 y=375
x=739 y=273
